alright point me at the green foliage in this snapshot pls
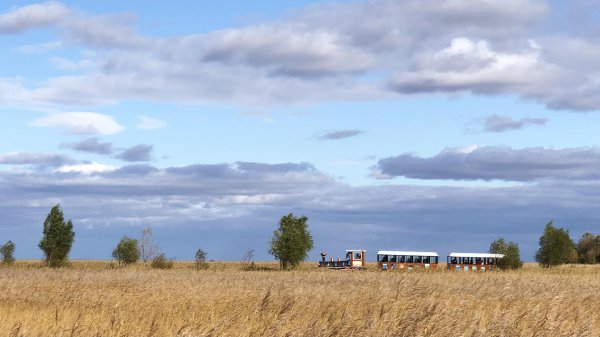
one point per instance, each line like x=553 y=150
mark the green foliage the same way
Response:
x=127 y=251
x=201 y=259
x=291 y=242
x=57 y=239
x=7 y=250
x=588 y=249
x=556 y=247
x=161 y=262
x=512 y=255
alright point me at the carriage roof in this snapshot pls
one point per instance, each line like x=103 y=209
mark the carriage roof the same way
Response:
x=406 y=253
x=483 y=255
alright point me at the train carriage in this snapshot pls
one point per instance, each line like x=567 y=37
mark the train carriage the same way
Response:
x=406 y=260
x=473 y=261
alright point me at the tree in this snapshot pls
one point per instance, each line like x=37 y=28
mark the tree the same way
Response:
x=291 y=242
x=556 y=247
x=248 y=260
x=201 y=259
x=7 y=250
x=127 y=251
x=512 y=255
x=588 y=249
x=148 y=249
x=57 y=239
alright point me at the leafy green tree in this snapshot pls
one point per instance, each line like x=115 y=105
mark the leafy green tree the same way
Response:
x=291 y=242
x=588 y=249
x=556 y=247
x=127 y=251
x=58 y=238
x=512 y=255
x=7 y=250
x=201 y=259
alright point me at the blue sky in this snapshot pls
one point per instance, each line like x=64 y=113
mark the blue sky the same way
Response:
x=418 y=125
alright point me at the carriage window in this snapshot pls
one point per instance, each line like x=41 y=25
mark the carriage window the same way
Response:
x=434 y=259
x=357 y=255
x=393 y=258
x=402 y=259
x=426 y=259
x=409 y=259
x=384 y=258
x=417 y=259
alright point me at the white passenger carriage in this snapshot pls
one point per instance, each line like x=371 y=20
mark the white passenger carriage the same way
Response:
x=474 y=261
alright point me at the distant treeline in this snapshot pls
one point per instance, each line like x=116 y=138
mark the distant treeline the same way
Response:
x=290 y=245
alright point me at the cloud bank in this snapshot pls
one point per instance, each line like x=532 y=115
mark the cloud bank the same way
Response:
x=321 y=54
x=496 y=163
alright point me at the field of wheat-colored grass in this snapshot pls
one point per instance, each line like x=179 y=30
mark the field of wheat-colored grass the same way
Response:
x=100 y=299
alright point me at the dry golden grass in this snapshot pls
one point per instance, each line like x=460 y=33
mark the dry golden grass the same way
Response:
x=93 y=299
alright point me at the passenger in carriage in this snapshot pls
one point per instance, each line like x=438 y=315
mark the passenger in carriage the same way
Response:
x=384 y=258
x=401 y=259
x=393 y=258
x=479 y=260
x=453 y=260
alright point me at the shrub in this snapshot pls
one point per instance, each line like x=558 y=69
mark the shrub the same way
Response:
x=127 y=251
x=512 y=255
x=7 y=250
x=201 y=259
x=161 y=262
x=248 y=260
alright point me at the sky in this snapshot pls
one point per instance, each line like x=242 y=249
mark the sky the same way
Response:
x=409 y=125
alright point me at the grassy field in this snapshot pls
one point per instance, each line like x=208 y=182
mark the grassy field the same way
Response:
x=96 y=298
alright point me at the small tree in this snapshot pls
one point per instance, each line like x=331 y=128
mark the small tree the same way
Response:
x=588 y=249
x=201 y=259
x=57 y=239
x=148 y=249
x=512 y=255
x=7 y=250
x=127 y=251
x=291 y=242
x=556 y=247
x=248 y=260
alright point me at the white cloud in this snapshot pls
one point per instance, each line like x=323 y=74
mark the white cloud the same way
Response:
x=81 y=123
x=468 y=65
x=87 y=168
x=32 y=16
x=149 y=123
